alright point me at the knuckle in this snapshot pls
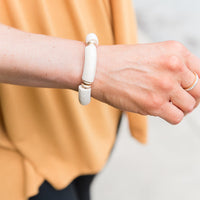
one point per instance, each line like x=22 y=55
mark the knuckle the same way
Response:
x=166 y=84
x=175 y=64
x=177 y=46
x=154 y=103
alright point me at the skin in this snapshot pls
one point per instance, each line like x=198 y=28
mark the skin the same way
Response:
x=148 y=79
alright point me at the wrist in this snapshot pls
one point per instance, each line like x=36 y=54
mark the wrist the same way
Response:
x=74 y=73
x=98 y=86
x=111 y=59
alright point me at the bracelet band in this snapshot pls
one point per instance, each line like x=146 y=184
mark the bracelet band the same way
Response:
x=89 y=69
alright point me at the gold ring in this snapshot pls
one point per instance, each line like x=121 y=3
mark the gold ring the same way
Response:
x=194 y=83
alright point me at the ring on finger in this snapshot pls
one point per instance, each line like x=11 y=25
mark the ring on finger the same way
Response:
x=194 y=82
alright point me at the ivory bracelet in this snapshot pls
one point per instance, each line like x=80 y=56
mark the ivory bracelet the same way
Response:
x=89 y=69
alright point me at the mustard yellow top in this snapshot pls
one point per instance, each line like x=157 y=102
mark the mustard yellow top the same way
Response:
x=45 y=133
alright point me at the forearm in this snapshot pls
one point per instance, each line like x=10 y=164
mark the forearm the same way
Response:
x=39 y=60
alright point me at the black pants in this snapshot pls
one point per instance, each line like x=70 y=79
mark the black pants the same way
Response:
x=79 y=189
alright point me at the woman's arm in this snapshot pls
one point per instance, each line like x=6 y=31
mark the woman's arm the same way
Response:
x=146 y=78
x=38 y=60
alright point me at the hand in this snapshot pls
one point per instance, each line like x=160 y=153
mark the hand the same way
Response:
x=148 y=79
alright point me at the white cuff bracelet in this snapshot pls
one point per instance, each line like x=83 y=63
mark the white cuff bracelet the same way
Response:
x=89 y=69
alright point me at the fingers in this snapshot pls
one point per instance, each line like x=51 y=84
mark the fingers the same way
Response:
x=195 y=91
x=171 y=113
x=188 y=77
x=182 y=68
x=193 y=63
x=183 y=100
x=181 y=103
